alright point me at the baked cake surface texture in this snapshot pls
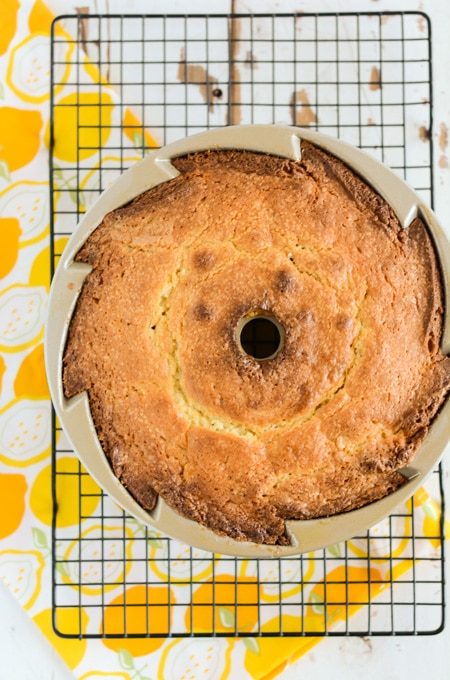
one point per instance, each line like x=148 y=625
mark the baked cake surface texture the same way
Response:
x=237 y=443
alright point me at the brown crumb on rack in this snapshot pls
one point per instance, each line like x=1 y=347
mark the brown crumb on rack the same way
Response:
x=375 y=79
x=424 y=133
x=301 y=111
x=443 y=137
x=195 y=74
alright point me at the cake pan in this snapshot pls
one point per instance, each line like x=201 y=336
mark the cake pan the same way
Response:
x=74 y=414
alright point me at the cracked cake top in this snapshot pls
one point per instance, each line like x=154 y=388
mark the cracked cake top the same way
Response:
x=183 y=411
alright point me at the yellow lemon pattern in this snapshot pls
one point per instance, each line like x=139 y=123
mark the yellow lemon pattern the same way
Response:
x=388 y=538
x=206 y=660
x=2 y=371
x=105 y=675
x=152 y=608
x=186 y=565
x=28 y=73
x=432 y=525
x=110 y=579
x=21 y=572
x=347 y=589
x=40 y=269
x=22 y=310
x=24 y=432
x=12 y=502
x=132 y=128
x=30 y=379
x=269 y=656
x=82 y=125
x=10 y=230
x=8 y=23
x=272 y=574
x=28 y=203
x=235 y=606
x=69 y=509
x=98 y=562
x=17 y=151
x=66 y=621
x=40 y=18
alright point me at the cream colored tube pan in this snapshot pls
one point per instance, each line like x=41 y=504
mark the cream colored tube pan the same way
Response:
x=74 y=414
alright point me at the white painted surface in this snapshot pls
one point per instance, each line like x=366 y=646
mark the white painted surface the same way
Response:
x=25 y=654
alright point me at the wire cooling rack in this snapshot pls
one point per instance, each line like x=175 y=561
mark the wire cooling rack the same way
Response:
x=365 y=78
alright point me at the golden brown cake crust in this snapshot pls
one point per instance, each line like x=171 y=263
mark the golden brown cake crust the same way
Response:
x=235 y=443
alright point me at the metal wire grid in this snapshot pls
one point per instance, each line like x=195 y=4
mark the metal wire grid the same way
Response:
x=363 y=77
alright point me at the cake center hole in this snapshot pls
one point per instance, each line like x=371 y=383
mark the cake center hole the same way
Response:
x=260 y=336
